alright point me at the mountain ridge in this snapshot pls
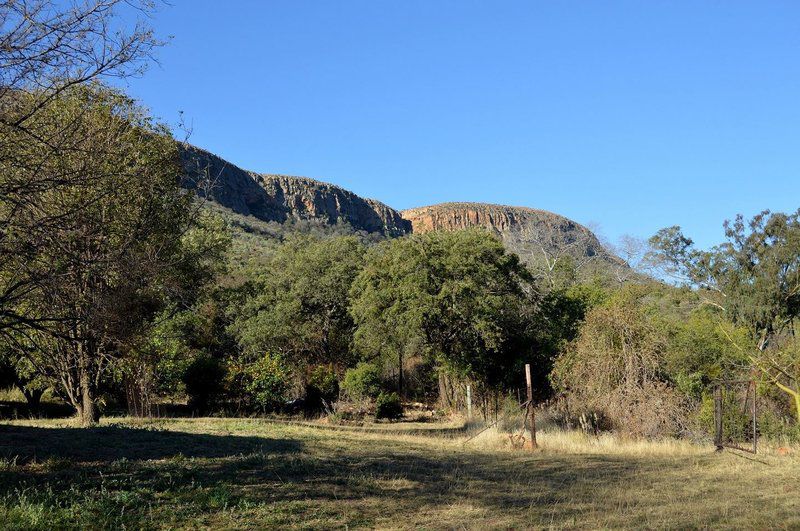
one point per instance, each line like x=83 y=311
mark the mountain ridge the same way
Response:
x=537 y=236
x=277 y=197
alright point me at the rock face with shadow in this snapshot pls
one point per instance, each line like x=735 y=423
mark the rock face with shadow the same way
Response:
x=532 y=234
x=540 y=238
x=279 y=198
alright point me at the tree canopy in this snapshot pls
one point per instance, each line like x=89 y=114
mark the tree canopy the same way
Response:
x=300 y=306
x=126 y=239
x=459 y=297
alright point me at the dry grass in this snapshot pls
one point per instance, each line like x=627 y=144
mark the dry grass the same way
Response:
x=579 y=443
x=239 y=473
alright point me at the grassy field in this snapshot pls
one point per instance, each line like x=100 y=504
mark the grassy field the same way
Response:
x=235 y=473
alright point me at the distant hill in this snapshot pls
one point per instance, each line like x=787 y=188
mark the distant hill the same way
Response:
x=536 y=236
x=540 y=238
x=282 y=198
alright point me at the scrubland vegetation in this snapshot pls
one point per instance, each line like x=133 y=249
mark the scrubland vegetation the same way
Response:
x=124 y=295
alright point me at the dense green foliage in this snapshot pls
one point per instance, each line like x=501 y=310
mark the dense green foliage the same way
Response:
x=266 y=380
x=300 y=308
x=363 y=381
x=455 y=297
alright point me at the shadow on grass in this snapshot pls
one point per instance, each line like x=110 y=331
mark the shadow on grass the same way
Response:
x=408 y=482
x=47 y=410
x=283 y=482
x=110 y=443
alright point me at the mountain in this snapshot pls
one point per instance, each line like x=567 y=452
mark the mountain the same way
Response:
x=283 y=198
x=537 y=236
x=540 y=238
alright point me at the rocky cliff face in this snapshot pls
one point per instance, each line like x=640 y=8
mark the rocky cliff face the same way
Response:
x=537 y=236
x=310 y=199
x=282 y=197
x=540 y=238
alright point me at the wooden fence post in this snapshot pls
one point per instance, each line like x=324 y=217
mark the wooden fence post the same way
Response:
x=718 y=417
x=530 y=411
x=755 y=427
x=469 y=402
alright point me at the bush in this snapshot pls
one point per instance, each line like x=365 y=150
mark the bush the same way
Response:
x=773 y=424
x=204 y=382
x=364 y=381
x=266 y=382
x=388 y=406
x=777 y=428
x=322 y=386
x=613 y=369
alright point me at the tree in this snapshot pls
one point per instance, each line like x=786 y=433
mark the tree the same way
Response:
x=615 y=367
x=388 y=300
x=299 y=310
x=557 y=255
x=753 y=277
x=16 y=370
x=190 y=325
x=124 y=243
x=48 y=49
x=483 y=300
x=633 y=252
x=558 y=322
x=458 y=296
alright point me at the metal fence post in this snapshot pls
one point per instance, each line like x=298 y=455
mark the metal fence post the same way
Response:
x=718 y=417
x=469 y=402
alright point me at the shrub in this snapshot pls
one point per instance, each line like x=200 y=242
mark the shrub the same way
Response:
x=322 y=385
x=364 y=381
x=204 y=381
x=613 y=368
x=388 y=406
x=266 y=382
x=773 y=423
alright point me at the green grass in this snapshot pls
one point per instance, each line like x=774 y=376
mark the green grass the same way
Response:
x=251 y=474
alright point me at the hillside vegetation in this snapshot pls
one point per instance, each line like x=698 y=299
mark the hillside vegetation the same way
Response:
x=546 y=241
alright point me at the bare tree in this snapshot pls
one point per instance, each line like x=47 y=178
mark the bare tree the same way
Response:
x=633 y=251
x=555 y=254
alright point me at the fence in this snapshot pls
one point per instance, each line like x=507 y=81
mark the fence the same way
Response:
x=736 y=415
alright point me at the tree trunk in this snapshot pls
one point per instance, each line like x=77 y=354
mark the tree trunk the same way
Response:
x=88 y=412
x=444 y=396
x=400 y=374
x=33 y=397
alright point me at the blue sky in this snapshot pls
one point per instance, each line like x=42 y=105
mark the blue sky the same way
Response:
x=632 y=115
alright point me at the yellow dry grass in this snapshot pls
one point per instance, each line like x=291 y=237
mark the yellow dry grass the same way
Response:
x=250 y=473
